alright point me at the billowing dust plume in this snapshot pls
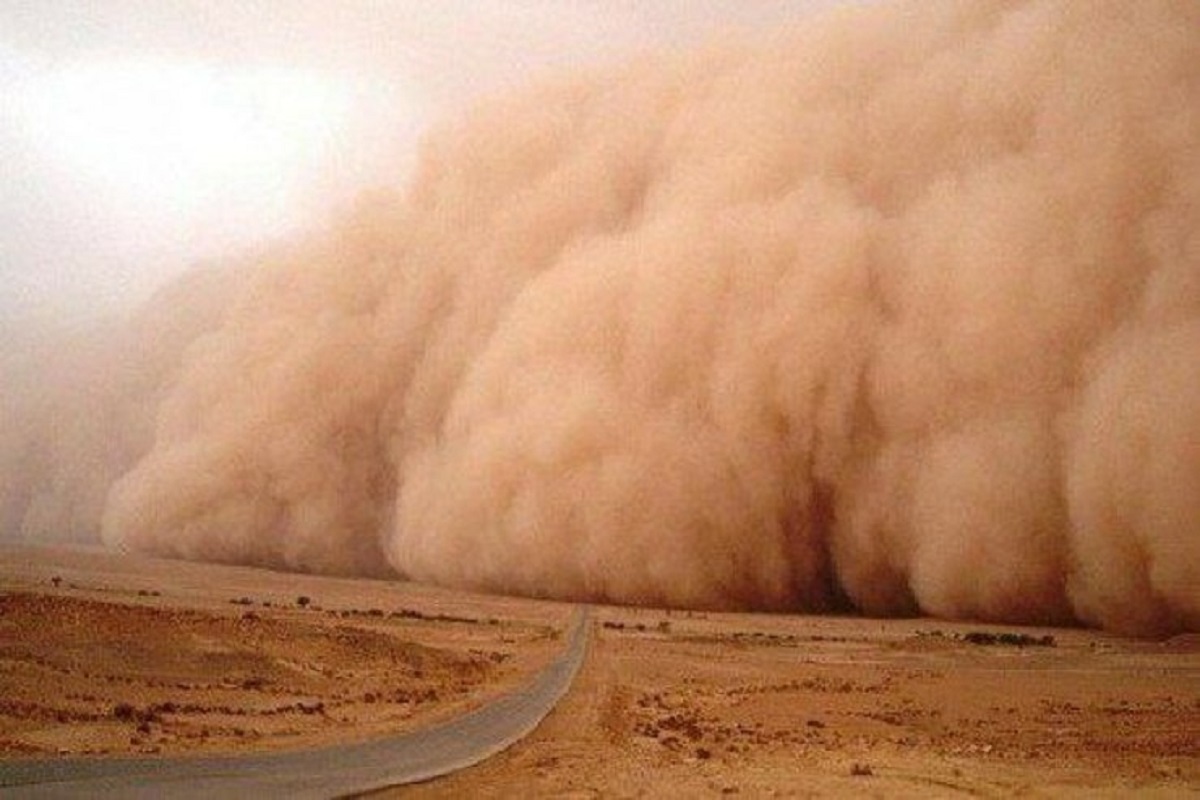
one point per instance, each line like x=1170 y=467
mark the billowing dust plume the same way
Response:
x=900 y=309
x=77 y=403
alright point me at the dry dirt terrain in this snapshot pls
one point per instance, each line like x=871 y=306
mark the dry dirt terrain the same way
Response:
x=107 y=655
x=689 y=704
x=133 y=655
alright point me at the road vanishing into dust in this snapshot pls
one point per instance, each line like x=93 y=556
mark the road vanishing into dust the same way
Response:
x=320 y=772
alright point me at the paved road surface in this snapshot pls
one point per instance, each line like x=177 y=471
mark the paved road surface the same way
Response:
x=318 y=773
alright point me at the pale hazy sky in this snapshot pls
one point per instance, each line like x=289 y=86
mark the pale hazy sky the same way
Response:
x=139 y=136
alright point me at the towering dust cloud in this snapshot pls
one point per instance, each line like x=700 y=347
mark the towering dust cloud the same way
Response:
x=900 y=309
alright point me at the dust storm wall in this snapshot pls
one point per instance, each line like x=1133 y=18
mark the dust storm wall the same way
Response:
x=900 y=309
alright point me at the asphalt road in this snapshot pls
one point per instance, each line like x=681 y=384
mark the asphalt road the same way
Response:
x=318 y=773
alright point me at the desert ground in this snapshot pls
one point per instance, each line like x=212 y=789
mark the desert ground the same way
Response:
x=103 y=654
x=121 y=655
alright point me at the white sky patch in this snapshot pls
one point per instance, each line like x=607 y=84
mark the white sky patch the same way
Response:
x=129 y=169
x=170 y=141
x=138 y=138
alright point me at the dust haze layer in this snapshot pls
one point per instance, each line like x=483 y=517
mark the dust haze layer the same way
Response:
x=900 y=308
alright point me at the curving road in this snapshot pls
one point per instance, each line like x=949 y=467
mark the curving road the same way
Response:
x=317 y=773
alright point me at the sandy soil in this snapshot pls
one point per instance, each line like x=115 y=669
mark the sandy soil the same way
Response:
x=135 y=655
x=687 y=705
x=101 y=655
